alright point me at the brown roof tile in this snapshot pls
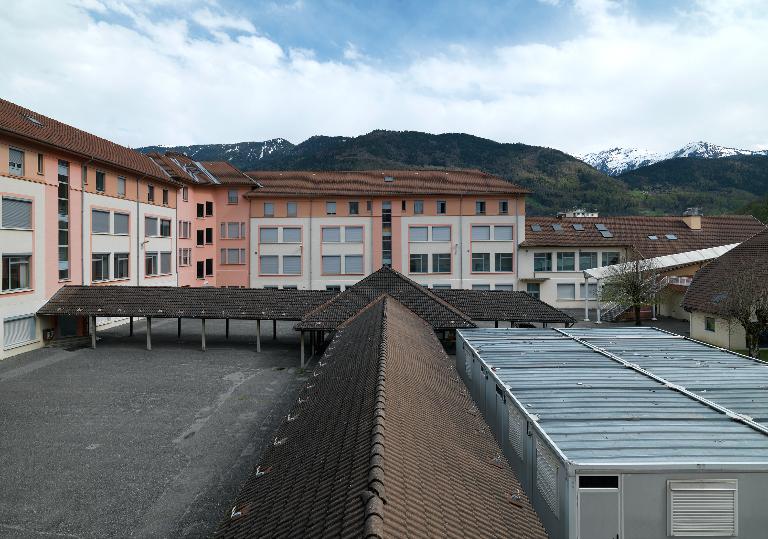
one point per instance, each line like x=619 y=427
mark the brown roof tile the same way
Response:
x=634 y=231
x=227 y=174
x=372 y=183
x=354 y=460
x=28 y=124
x=511 y=306
x=184 y=169
x=714 y=282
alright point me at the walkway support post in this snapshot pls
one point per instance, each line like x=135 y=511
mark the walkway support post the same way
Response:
x=203 y=327
x=586 y=298
x=496 y=324
x=312 y=339
x=274 y=329
x=178 y=330
x=93 y=332
x=227 y=327
x=301 y=338
x=653 y=312
x=130 y=326
x=597 y=303
x=258 y=336
x=149 y=333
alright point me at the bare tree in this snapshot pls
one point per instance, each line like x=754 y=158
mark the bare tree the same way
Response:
x=744 y=300
x=634 y=283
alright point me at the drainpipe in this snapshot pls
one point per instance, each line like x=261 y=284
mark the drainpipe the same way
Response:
x=309 y=257
x=461 y=241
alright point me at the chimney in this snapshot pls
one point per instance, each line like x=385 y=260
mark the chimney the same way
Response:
x=692 y=218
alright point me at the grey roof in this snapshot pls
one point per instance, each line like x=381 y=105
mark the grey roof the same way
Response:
x=599 y=409
x=172 y=302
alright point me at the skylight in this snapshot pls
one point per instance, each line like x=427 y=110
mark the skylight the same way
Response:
x=536 y=228
x=34 y=120
x=557 y=227
x=653 y=237
x=578 y=226
x=671 y=237
x=600 y=226
x=606 y=234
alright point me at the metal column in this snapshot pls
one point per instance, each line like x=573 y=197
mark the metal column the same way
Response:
x=258 y=335
x=203 y=327
x=93 y=332
x=274 y=329
x=130 y=326
x=227 y=327
x=178 y=330
x=149 y=333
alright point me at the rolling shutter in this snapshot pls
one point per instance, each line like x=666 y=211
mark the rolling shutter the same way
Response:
x=269 y=265
x=353 y=234
x=331 y=265
x=292 y=265
x=18 y=331
x=100 y=222
x=353 y=264
x=121 y=223
x=441 y=233
x=703 y=507
x=17 y=213
x=291 y=235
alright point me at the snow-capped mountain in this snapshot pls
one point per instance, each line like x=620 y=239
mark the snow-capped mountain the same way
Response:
x=616 y=161
x=240 y=152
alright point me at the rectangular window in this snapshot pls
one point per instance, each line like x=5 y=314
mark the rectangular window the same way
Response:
x=331 y=234
x=201 y=210
x=480 y=207
x=610 y=258
x=99 y=222
x=502 y=233
x=268 y=235
x=150 y=193
x=165 y=197
x=703 y=507
x=505 y=287
x=165 y=228
x=503 y=262
x=165 y=263
x=120 y=186
x=200 y=270
x=331 y=265
x=269 y=265
x=292 y=265
x=63 y=218
x=353 y=234
x=333 y=287
x=369 y=206
x=185 y=256
x=233 y=256
x=185 y=193
x=353 y=264
x=16 y=213
x=269 y=209
x=566 y=261
x=291 y=209
x=587 y=260
x=481 y=287
x=330 y=208
x=418 y=207
x=291 y=235
x=710 y=324
x=354 y=208
x=208 y=236
x=19 y=331
x=441 y=207
x=418 y=233
x=232 y=197
x=150 y=264
x=419 y=263
x=185 y=229
x=566 y=291
x=208 y=267
x=121 y=265
x=232 y=230
x=441 y=233
x=403 y=206
x=592 y=290
x=40 y=163
x=150 y=226
x=200 y=238
x=441 y=263
x=15 y=162
x=534 y=289
x=100 y=267
x=16 y=272
x=503 y=207
x=542 y=261
x=481 y=262
x=208 y=208
x=101 y=181
x=441 y=286
x=481 y=233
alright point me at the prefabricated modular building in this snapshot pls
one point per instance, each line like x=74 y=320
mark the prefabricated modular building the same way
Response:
x=628 y=433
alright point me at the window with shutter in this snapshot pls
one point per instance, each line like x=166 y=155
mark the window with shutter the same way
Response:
x=165 y=262
x=268 y=235
x=16 y=162
x=353 y=234
x=331 y=234
x=331 y=265
x=291 y=265
x=150 y=226
x=418 y=233
x=99 y=222
x=233 y=230
x=705 y=507
x=269 y=265
x=481 y=233
x=16 y=213
x=19 y=331
x=353 y=264
x=502 y=233
x=441 y=233
x=291 y=235
x=121 y=223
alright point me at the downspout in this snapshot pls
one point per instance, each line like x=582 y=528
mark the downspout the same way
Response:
x=310 y=243
x=461 y=241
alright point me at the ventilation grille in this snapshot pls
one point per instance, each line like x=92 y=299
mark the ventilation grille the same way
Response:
x=468 y=366
x=546 y=476
x=706 y=508
x=515 y=428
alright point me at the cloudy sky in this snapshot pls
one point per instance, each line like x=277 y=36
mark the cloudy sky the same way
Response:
x=579 y=75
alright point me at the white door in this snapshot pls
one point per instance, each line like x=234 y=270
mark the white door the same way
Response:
x=599 y=508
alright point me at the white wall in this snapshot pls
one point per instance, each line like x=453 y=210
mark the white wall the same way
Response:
x=726 y=335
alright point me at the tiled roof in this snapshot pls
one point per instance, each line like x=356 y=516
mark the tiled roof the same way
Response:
x=634 y=231
x=227 y=174
x=184 y=169
x=502 y=305
x=172 y=302
x=31 y=125
x=419 y=299
x=384 y=441
x=372 y=183
x=712 y=283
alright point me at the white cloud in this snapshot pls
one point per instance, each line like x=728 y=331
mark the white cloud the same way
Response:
x=701 y=76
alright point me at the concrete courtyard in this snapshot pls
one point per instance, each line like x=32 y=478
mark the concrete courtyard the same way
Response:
x=124 y=442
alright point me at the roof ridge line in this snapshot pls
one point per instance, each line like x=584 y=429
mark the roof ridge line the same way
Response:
x=733 y=416
x=374 y=496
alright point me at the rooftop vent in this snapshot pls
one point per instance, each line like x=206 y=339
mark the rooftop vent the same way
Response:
x=389 y=178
